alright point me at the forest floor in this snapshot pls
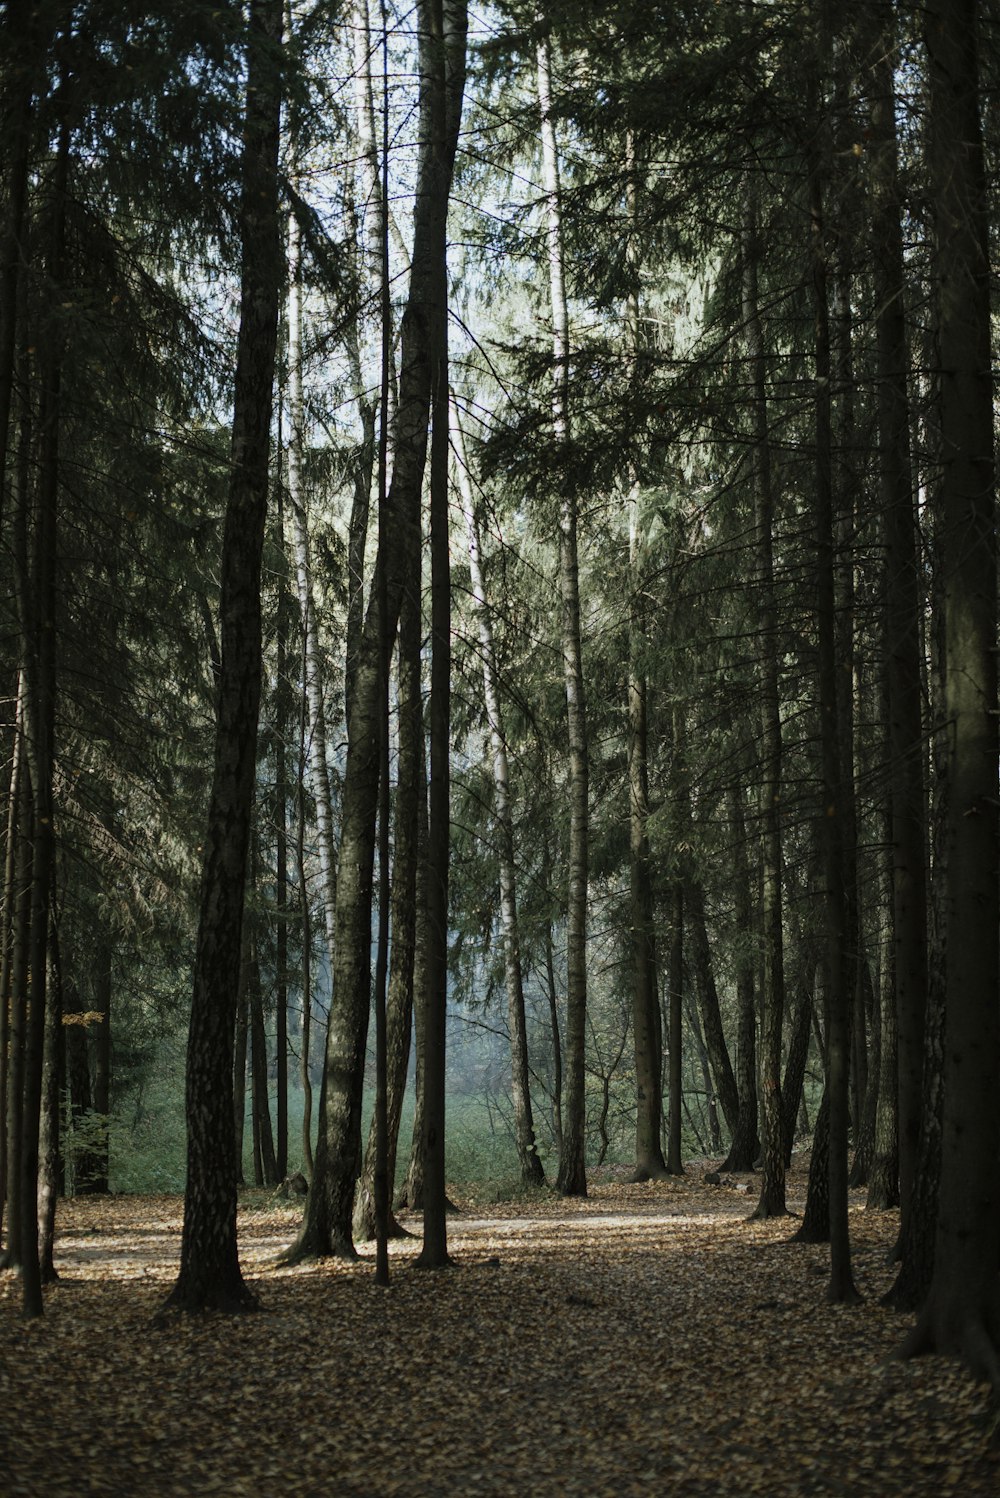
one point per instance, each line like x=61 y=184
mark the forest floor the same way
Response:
x=646 y=1340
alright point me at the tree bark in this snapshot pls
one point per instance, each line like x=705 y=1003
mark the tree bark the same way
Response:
x=572 y=1176
x=745 y=1143
x=210 y=1276
x=962 y=1312
x=532 y=1173
x=902 y=609
x=36 y=586
x=834 y=792
x=50 y=1138
x=13 y=916
x=443 y=43
x=675 y=1016
x=403 y=919
x=263 y=1133
x=772 y=996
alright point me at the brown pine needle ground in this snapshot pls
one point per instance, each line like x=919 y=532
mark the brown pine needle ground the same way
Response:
x=647 y=1340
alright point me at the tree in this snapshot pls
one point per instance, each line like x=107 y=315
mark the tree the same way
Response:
x=572 y=1177
x=210 y=1276
x=524 y=1129
x=772 y=996
x=963 y=1306
x=902 y=611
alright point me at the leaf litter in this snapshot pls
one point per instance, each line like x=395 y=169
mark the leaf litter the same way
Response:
x=647 y=1339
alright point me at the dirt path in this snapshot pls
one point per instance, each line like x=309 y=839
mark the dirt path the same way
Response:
x=645 y=1341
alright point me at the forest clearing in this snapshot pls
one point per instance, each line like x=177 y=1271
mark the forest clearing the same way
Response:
x=645 y=1339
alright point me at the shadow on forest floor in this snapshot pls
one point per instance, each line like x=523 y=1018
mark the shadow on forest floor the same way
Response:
x=647 y=1340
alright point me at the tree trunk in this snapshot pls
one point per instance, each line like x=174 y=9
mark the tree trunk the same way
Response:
x=281 y=880
x=37 y=592
x=883 y=1178
x=414 y=1193
x=24 y=41
x=798 y=1053
x=14 y=897
x=305 y=912
x=745 y=1142
x=700 y=958
x=88 y=1162
x=240 y=1048
x=319 y=768
x=524 y=1127
x=552 y=995
x=443 y=42
x=402 y=957
x=572 y=1176
x=864 y=1147
x=834 y=810
x=962 y=1313
x=260 y=1103
x=772 y=997
x=210 y=1276
x=647 y=1030
x=49 y=1150
x=816 y=1218
x=103 y=1003
x=902 y=609
x=675 y=1076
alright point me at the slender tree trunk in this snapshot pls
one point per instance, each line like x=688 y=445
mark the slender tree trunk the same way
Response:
x=403 y=920
x=319 y=768
x=210 y=1274
x=443 y=40
x=572 y=1177
x=281 y=881
x=772 y=997
x=834 y=794
x=381 y=1199
x=864 y=1148
x=962 y=1312
x=883 y=1178
x=49 y=1151
x=646 y=1030
x=260 y=1102
x=902 y=610
x=12 y=900
x=103 y=999
x=24 y=40
x=675 y=1075
x=414 y=1193
x=694 y=1024
x=15 y=997
x=240 y=1050
x=552 y=995
x=646 y=1020
x=815 y=1226
x=524 y=1128
x=746 y=1140
x=305 y=1037
x=37 y=593
x=17 y=1011
x=798 y=1052
x=910 y=1289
